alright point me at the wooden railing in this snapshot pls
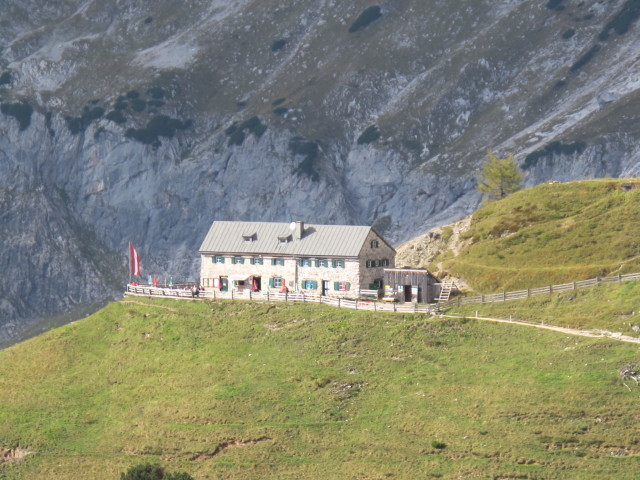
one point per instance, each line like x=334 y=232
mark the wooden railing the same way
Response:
x=531 y=292
x=268 y=296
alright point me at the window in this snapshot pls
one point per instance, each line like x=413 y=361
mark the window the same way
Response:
x=256 y=261
x=238 y=260
x=322 y=263
x=275 y=282
x=277 y=261
x=218 y=259
x=341 y=286
x=309 y=285
x=384 y=262
x=338 y=264
x=284 y=239
x=374 y=243
x=304 y=262
x=250 y=238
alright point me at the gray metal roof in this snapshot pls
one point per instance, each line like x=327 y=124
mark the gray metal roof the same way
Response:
x=317 y=240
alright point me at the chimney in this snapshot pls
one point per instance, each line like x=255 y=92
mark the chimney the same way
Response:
x=298 y=230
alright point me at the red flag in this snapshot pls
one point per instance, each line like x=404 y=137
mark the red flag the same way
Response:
x=155 y=281
x=135 y=260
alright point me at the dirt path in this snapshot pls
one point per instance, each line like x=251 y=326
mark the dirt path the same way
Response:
x=148 y=305
x=571 y=331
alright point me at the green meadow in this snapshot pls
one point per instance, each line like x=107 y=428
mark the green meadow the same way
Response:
x=227 y=390
x=550 y=234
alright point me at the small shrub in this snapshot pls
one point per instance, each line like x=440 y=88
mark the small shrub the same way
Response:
x=138 y=105
x=447 y=232
x=156 y=92
x=586 y=58
x=158 y=126
x=79 y=124
x=147 y=471
x=236 y=133
x=555 y=5
x=21 y=111
x=368 y=16
x=278 y=45
x=438 y=445
x=116 y=116
x=5 y=78
x=629 y=13
x=142 y=135
x=371 y=134
x=93 y=113
x=310 y=151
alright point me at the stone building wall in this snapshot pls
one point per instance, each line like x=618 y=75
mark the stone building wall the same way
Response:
x=291 y=272
x=371 y=253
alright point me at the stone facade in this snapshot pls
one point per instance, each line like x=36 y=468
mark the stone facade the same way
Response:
x=330 y=276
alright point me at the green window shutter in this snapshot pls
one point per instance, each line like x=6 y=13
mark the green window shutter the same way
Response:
x=273 y=261
x=333 y=263
x=299 y=262
x=336 y=286
x=315 y=285
x=213 y=259
x=251 y=261
x=343 y=264
x=271 y=282
x=223 y=259
x=348 y=286
x=317 y=263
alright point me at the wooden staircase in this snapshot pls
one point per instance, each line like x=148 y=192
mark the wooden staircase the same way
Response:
x=445 y=291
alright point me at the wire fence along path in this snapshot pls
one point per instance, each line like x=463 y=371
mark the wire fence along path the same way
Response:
x=530 y=292
x=213 y=294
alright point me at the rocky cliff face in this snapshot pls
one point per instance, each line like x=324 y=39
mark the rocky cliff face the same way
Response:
x=145 y=122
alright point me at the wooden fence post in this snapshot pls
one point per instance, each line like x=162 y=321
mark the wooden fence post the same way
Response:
x=338 y=302
x=504 y=296
x=528 y=292
x=267 y=296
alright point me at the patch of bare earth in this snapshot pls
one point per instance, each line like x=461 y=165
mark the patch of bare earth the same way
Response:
x=11 y=455
x=422 y=251
x=227 y=444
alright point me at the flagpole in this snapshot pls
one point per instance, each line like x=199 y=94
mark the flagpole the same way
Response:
x=129 y=263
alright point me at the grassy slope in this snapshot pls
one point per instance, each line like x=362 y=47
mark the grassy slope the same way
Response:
x=552 y=233
x=308 y=391
x=611 y=307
